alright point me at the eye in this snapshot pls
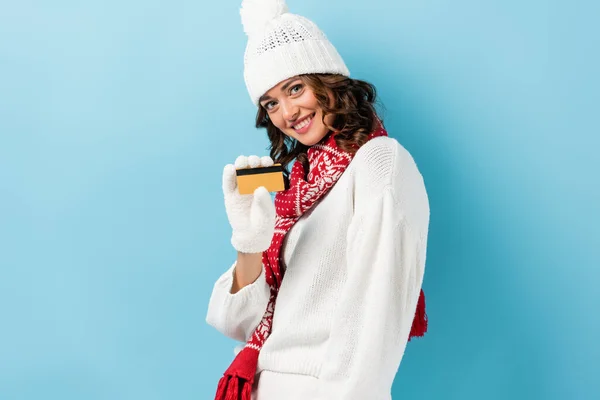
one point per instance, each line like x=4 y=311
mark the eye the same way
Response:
x=269 y=105
x=299 y=86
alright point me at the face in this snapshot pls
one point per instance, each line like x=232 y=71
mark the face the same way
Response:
x=294 y=109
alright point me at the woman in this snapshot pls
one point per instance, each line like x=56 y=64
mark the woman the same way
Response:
x=326 y=288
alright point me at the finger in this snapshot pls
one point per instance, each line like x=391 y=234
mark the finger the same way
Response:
x=254 y=161
x=229 y=179
x=241 y=162
x=263 y=209
x=266 y=161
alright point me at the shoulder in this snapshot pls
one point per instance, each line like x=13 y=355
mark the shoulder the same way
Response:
x=384 y=165
x=383 y=161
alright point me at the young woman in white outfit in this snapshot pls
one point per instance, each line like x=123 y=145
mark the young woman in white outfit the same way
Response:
x=326 y=289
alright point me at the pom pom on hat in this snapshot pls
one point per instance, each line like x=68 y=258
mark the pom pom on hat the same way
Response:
x=256 y=14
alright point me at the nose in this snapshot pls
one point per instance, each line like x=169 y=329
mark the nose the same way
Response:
x=289 y=110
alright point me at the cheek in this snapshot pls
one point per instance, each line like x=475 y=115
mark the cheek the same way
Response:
x=277 y=121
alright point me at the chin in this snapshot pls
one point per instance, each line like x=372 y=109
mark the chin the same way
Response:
x=311 y=141
x=310 y=138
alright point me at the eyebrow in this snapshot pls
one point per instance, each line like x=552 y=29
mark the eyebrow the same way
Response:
x=287 y=84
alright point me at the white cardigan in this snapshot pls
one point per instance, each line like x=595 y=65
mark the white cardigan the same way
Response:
x=355 y=265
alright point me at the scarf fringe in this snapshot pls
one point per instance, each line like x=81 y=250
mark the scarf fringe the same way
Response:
x=229 y=388
x=419 y=326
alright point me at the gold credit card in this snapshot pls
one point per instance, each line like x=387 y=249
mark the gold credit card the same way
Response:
x=248 y=179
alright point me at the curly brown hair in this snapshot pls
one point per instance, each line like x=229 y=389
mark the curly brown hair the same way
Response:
x=352 y=103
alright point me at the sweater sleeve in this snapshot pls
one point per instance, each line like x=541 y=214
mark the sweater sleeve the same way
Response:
x=373 y=318
x=237 y=315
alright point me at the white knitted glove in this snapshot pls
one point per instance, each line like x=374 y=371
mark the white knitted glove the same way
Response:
x=251 y=216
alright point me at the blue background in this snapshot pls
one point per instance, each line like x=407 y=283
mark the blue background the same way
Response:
x=116 y=119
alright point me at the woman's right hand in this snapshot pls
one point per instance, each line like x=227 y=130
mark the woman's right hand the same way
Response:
x=251 y=216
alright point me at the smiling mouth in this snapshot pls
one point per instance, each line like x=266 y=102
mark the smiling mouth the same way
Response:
x=305 y=122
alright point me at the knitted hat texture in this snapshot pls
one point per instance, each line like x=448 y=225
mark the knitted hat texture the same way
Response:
x=282 y=45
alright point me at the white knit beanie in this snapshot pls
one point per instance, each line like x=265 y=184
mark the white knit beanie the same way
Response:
x=282 y=45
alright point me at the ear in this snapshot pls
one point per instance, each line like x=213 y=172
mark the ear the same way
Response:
x=330 y=97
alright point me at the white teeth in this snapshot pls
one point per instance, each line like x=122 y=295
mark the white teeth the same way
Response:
x=303 y=123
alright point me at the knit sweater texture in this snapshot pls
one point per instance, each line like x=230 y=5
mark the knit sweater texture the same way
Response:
x=354 y=269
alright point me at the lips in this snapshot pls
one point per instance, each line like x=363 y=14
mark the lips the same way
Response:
x=302 y=120
x=304 y=126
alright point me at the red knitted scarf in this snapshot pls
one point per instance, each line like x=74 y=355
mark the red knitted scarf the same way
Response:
x=327 y=163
